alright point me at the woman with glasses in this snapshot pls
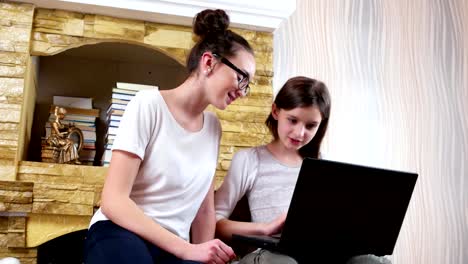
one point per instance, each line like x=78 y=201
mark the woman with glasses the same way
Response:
x=157 y=203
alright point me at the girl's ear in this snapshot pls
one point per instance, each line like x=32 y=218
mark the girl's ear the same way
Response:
x=274 y=111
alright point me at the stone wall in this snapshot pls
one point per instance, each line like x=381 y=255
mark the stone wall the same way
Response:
x=56 y=199
x=15 y=197
x=15 y=34
x=64 y=198
x=55 y=31
x=16 y=200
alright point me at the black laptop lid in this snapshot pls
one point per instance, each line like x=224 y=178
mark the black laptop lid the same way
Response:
x=345 y=210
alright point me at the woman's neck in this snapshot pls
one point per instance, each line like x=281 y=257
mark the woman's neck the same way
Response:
x=188 y=97
x=187 y=103
x=289 y=157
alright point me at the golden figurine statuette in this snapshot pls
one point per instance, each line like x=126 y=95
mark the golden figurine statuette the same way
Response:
x=65 y=141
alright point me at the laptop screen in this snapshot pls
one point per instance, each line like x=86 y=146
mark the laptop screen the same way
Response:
x=346 y=209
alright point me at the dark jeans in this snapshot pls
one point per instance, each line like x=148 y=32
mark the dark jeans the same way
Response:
x=107 y=242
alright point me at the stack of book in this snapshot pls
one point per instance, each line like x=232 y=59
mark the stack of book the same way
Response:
x=81 y=115
x=121 y=95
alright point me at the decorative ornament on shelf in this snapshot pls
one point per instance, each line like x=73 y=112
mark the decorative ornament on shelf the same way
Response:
x=65 y=141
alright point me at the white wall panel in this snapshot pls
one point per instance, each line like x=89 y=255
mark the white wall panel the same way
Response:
x=398 y=74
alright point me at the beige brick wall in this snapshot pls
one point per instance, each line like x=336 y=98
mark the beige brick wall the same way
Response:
x=15 y=34
x=63 y=191
x=15 y=202
x=55 y=31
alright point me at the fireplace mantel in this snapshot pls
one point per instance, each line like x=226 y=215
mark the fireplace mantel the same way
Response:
x=259 y=15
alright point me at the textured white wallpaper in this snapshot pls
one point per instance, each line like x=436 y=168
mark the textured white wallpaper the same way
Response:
x=398 y=74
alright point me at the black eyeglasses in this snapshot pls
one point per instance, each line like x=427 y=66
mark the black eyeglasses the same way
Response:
x=243 y=83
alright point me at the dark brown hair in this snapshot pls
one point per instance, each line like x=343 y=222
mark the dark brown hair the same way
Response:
x=211 y=26
x=304 y=92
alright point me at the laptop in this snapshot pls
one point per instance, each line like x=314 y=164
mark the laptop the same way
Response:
x=340 y=210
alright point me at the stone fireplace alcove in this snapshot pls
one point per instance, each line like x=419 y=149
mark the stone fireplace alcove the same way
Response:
x=91 y=71
x=42 y=201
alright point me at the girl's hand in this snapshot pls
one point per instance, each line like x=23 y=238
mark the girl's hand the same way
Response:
x=275 y=226
x=211 y=252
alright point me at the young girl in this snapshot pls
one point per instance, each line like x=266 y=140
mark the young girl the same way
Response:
x=267 y=174
x=157 y=201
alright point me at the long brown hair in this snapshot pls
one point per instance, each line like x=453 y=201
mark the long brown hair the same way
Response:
x=304 y=92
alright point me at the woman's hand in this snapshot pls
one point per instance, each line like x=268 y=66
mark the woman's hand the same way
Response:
x=213 y=251
x=275 y=226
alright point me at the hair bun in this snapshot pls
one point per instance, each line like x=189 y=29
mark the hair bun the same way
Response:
x=210 y=22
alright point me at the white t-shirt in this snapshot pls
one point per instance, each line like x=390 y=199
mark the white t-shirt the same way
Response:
x=177 y=167
x=268 y=184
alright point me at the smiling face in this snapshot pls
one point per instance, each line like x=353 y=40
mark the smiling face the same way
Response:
x=223 y=84
x=298 y=126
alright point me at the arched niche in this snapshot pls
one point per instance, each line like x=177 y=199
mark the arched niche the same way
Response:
x=91 y=71
x=56 y=44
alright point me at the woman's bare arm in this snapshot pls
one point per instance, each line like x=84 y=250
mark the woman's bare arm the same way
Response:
x=204 y=224
x=120 y=209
